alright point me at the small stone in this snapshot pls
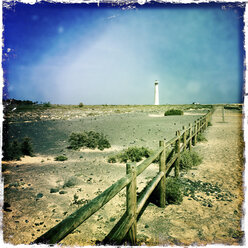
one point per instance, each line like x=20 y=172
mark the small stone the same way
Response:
x=38 y=196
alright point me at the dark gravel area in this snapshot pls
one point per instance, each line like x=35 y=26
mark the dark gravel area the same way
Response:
x=50 y=137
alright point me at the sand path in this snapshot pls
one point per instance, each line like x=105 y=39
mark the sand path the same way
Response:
x=191 y=222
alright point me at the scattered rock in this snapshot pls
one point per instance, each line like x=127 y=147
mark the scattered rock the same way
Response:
x=39 y=195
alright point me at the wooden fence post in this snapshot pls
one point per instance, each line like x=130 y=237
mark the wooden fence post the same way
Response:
x=195 y=133
x=206 y=121
x=131 y=201
x=190 y=136
x=200 y=125
x=178 y=153
x=162 y=186
x=197 y=130
x=184 y=138
x=223 y=114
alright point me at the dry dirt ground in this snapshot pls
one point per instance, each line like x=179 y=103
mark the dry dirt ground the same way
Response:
x=31 y=209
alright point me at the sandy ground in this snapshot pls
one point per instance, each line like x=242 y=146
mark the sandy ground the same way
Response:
x=31 y=209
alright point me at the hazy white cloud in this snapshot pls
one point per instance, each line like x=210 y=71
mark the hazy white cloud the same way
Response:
x=193 y=88
x=116 y=57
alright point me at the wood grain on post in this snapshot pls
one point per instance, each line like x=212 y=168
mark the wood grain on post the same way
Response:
x=177 y=150
x=162 y=169
x=190 y=136
x=131 y=201
x=184 y=138
x=194 y=133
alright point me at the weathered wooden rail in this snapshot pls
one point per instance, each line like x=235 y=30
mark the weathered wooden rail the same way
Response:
x=126 y=228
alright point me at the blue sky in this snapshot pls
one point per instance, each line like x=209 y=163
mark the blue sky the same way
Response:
x=71 y=53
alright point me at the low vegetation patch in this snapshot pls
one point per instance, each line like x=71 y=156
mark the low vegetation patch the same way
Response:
x=112 y=159
x=173 y=112
x=132 y=154
x=26 y=147
x=201 y=137
x=61 y=158
x=189 y=159
x=62 y=192
x=80 y=105
x=89 y=139
x=54 y=190
x=47 y=105
x=78 y=201
x=15 y=150
x=174 y=193
x=71 y=182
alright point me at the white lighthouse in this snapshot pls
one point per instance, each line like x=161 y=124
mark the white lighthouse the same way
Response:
x=156 y=95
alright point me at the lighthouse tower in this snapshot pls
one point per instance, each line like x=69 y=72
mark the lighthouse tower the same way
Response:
x=156 y=95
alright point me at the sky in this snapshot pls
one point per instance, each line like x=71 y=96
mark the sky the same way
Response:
x=72 y=53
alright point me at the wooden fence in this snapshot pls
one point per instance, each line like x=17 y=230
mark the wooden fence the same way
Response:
x=126 y=228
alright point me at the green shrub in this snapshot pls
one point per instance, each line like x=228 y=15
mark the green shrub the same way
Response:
x=112 y=159
x=210 y=124
x=60 y=158
x=89 y=139
x=77 y=201
x=197 y=160
x=189 y=159
x=15 y=150
x=201 y=137
x=132 y=154
x=71 y=182
x=47 y=104
x=26 y=147
x=174 y=194
x=54 y=190
x=80 y=105
x=62 y=192
x=173 y=112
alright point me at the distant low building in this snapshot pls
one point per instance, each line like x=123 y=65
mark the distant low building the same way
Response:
x=195 y=103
